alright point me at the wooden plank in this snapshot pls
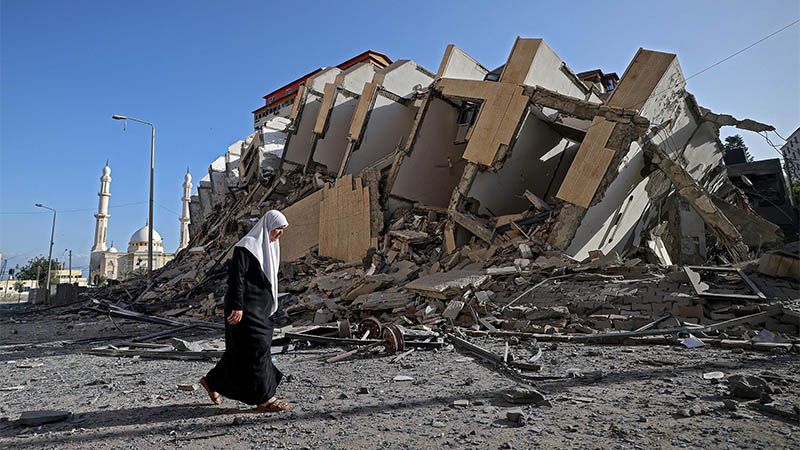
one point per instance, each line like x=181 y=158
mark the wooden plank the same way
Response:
x=520 y=60
x=640 y=79
x=345 y=220
x=590 y=165
x=328 y=102
x=303 y=231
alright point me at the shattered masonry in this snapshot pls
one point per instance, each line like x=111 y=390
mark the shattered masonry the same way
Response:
x=427 y=186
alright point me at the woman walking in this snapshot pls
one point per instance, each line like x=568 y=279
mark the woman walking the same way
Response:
x=245 y=372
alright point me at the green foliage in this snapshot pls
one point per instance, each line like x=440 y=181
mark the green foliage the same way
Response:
x=37 y=265
x=736 y=142
x=18 y=286
x=795 y=193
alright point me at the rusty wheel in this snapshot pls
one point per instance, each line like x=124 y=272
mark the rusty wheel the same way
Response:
x=344 y=328
x=372 y=325
x=394 y=339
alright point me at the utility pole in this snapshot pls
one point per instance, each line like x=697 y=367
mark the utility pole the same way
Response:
x=50 y=255
x=70 y=267
x=8 y=277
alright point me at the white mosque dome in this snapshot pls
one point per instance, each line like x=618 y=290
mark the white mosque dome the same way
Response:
x=138 y=241
x=112 y=249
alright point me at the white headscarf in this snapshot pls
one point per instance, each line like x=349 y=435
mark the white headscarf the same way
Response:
x=267 y=253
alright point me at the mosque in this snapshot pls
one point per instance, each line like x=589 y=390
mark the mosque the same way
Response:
x=108 y=262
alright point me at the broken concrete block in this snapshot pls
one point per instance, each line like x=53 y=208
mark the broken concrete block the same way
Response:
x=41 y=417
x=548 y=312
x=385 y=300
x=516 y=416
x=525 y=397
x=748 y=386
x=185 y=346
x=323 y=316
x=445 y=284
x=453 y=309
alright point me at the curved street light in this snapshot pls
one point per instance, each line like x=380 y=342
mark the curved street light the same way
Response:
x=150 y=212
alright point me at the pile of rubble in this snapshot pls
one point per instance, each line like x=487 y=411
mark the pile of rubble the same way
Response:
x=520 y=202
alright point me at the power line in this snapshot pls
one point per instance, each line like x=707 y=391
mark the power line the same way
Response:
x=730 y=56
x=742 y=50
x=62 y=211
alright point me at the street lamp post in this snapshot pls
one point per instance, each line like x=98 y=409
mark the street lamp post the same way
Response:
x=150 y=212
x=66 y=250
x=50 y=254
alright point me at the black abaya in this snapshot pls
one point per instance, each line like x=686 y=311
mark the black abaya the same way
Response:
x=245 y=372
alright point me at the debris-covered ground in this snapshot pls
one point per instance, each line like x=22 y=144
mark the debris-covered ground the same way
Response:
x=599 y=396
x=628 y=295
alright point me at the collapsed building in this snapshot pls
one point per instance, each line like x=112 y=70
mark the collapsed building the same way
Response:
x=405 y=189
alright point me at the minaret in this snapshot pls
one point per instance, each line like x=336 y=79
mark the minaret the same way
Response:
x=101 y=226
x=187 y=193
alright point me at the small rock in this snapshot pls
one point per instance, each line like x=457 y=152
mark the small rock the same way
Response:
x=363 y=390
x=335 y=415
x=437 y=424
x=765 y=398
x=516 y=416
x=343 y=396
x=461 y=403
x=713 y=375
x=238 y=420
x=525 y=397
x=748 y=386
x=29 y=365
x=403 y=378
x=187 y=387
x=730 y=405
x=694 y=410
x=185 y=346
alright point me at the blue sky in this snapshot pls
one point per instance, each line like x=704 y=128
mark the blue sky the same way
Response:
x=198 y=68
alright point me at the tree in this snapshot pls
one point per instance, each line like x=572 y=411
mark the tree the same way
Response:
x=795 y=193
x=37 y=267
x=736 y=142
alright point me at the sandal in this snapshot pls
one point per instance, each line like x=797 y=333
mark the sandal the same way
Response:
x=213 y=395
x=273 y=405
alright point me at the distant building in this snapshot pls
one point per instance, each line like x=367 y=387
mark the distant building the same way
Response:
x=67 y=276
x=279 y=101
x=604 y=83
x=765 y=187
x=23 y=285
x=791 y=154
x=108 y=262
